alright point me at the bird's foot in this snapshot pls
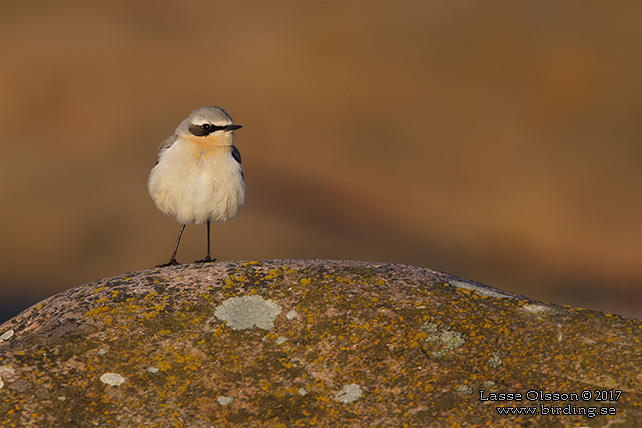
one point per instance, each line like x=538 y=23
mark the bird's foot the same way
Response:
x=171 y=262
x=207 y=259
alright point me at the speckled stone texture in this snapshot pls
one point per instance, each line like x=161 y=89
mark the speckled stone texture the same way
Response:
x=312 y=343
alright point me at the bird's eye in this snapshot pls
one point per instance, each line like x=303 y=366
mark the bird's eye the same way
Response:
x=206 y=126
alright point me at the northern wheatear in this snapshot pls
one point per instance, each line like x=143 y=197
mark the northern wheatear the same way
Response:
x=198 y=177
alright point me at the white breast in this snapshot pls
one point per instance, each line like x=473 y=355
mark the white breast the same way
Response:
x=197 y=184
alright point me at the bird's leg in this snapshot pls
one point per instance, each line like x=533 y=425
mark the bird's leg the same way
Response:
x=172 y=260
x=207 y=258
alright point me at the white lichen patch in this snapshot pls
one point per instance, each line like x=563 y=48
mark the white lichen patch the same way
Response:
x=465 y=389
x=495 y=361
x=153 y=369
x=281 y=340
x=292 y=314
x=6 y=373
x=7 y=369
x=6 y=335
x=480 y=289
x=449 y=339
x=349 y=393
x=224 y=401
x=102 y=351
x=245 y=312
x=113 y=379
x=302 y=391
x=536 y=309
x=430 y=327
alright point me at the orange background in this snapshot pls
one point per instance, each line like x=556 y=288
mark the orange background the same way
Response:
x=498 y=141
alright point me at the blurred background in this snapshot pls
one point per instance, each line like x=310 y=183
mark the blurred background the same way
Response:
x=500 y=141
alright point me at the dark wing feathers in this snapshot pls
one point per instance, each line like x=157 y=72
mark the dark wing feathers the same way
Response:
x=236 y=154
x=237 y=157
x=166 y=144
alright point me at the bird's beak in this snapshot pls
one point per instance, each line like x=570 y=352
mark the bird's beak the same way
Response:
x=232 y=127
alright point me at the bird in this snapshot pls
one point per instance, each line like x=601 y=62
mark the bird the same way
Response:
x=198 y=177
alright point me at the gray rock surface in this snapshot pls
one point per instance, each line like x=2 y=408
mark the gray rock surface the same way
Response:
x=313 y=342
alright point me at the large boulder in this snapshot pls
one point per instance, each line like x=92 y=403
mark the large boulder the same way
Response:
x=313 y=342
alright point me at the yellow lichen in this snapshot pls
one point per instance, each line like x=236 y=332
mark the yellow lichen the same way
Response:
x=273 y=274
x=163 y=366
x=96 y=312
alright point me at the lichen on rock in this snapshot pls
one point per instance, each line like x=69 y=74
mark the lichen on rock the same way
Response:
x=245 y=312
x=308 y=342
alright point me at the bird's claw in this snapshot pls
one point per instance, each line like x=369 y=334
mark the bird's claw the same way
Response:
x=171 y=262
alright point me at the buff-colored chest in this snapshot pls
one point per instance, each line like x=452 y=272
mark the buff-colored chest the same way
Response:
x=198 y=180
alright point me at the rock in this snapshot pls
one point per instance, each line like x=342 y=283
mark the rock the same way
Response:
x=313 y=342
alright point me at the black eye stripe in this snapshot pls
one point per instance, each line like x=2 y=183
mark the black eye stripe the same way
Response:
x=204 y=129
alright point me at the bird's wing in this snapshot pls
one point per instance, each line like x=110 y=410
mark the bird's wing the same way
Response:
x=166 y=144
x=236 y=154
x=237 y=157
